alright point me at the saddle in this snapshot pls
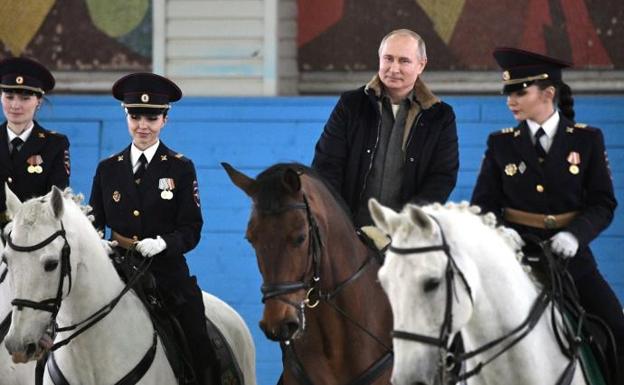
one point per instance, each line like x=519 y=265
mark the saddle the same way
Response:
x=582 y=335
x=169 y=329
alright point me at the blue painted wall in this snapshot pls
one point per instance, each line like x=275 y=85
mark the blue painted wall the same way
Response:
x=253 y=133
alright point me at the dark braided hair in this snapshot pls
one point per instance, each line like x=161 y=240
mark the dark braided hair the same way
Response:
x=563 y=96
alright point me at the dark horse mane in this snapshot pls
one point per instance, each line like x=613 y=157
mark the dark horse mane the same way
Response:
x=272 y=192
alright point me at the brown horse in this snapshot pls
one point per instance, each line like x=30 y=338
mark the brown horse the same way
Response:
x=323 y=302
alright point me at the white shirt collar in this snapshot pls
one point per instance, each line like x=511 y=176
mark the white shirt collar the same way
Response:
x=149 y=152
x=23 y=136
x=549 y=126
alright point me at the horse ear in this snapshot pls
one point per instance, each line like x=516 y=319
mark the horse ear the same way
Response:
x=420 y=218
x=382 y=216
x=13 y=203
x=240 y=180
x=57 y=202
x=291 y=180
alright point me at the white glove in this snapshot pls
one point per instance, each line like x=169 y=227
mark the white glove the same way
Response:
x=512 y=236
x=564 y=244
x=108 y=246
x=149 y=247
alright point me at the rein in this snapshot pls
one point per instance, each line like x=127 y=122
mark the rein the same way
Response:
x=442 y=341
x=6 y=322
x=315 y=295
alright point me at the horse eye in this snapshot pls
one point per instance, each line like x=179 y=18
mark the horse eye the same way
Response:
x=299 y=240
x=50 y=265
x=431 y=284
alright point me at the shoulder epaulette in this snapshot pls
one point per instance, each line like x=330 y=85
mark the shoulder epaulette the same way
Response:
x=179 y=155
x=507 y=130
x=580 y=125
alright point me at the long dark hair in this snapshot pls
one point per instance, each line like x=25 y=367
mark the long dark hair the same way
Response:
x=563 y=96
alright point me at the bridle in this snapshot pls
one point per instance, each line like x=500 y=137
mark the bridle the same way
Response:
x=53 y=305
x=314 y=295
x=315 y=248
x=443 y=338
x=448 y=359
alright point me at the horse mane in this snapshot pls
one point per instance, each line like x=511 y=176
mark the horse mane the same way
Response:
x=272 y=192
x=35 y=211
x=489 y=221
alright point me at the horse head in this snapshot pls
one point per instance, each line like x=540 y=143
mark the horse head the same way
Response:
x=283 y=231
x=428 y=289
x=43 y=253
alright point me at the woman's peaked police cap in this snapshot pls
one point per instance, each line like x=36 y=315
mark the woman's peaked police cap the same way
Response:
x=20 y=73
x=146 y=93
x=522 y=68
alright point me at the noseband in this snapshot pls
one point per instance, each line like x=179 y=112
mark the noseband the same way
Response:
x=51 y=305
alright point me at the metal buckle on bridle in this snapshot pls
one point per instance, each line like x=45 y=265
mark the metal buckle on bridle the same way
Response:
x=308 y=301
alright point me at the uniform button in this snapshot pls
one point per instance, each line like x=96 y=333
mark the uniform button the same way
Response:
x=10 y=180
x=368 y=151
x=411 y=159
x=136 y=213
x=539 y=188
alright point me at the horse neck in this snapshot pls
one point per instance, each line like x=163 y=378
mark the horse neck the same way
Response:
x=503 y=299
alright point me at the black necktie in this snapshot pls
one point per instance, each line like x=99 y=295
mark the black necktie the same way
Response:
x=541 y=153
x=16 y=145
x=140 y=171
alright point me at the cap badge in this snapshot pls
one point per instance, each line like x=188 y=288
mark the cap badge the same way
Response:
x=511 y=169
x=506 y=75
x=19 y=80
x=145 y=98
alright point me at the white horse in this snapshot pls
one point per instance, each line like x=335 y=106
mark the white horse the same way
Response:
x=69 y=276
x=10 y=372
x=477 y=286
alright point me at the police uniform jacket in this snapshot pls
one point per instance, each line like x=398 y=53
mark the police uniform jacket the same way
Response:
x=48 y=150
x=344 y=153
x=512 y=177
x=142 y=211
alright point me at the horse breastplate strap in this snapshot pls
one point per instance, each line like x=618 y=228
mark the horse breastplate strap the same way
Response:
x=133 y=377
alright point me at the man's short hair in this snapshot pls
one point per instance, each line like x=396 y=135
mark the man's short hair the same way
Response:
x=422 y=50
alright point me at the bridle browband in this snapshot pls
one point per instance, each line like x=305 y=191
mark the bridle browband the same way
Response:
x=315 y=295
x=452 y=360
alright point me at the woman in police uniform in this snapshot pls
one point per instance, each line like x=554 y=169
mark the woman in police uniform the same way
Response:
x=32 y=159
x=147 y=195
x=549 y=176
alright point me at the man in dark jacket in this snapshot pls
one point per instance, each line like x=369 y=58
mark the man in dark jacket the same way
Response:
x=391 y=139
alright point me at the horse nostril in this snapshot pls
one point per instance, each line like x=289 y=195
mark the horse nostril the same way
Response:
x=31 y=349
x=291 y=328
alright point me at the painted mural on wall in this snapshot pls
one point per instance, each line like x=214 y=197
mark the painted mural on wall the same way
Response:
x=93 y=35
x=339 y=35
